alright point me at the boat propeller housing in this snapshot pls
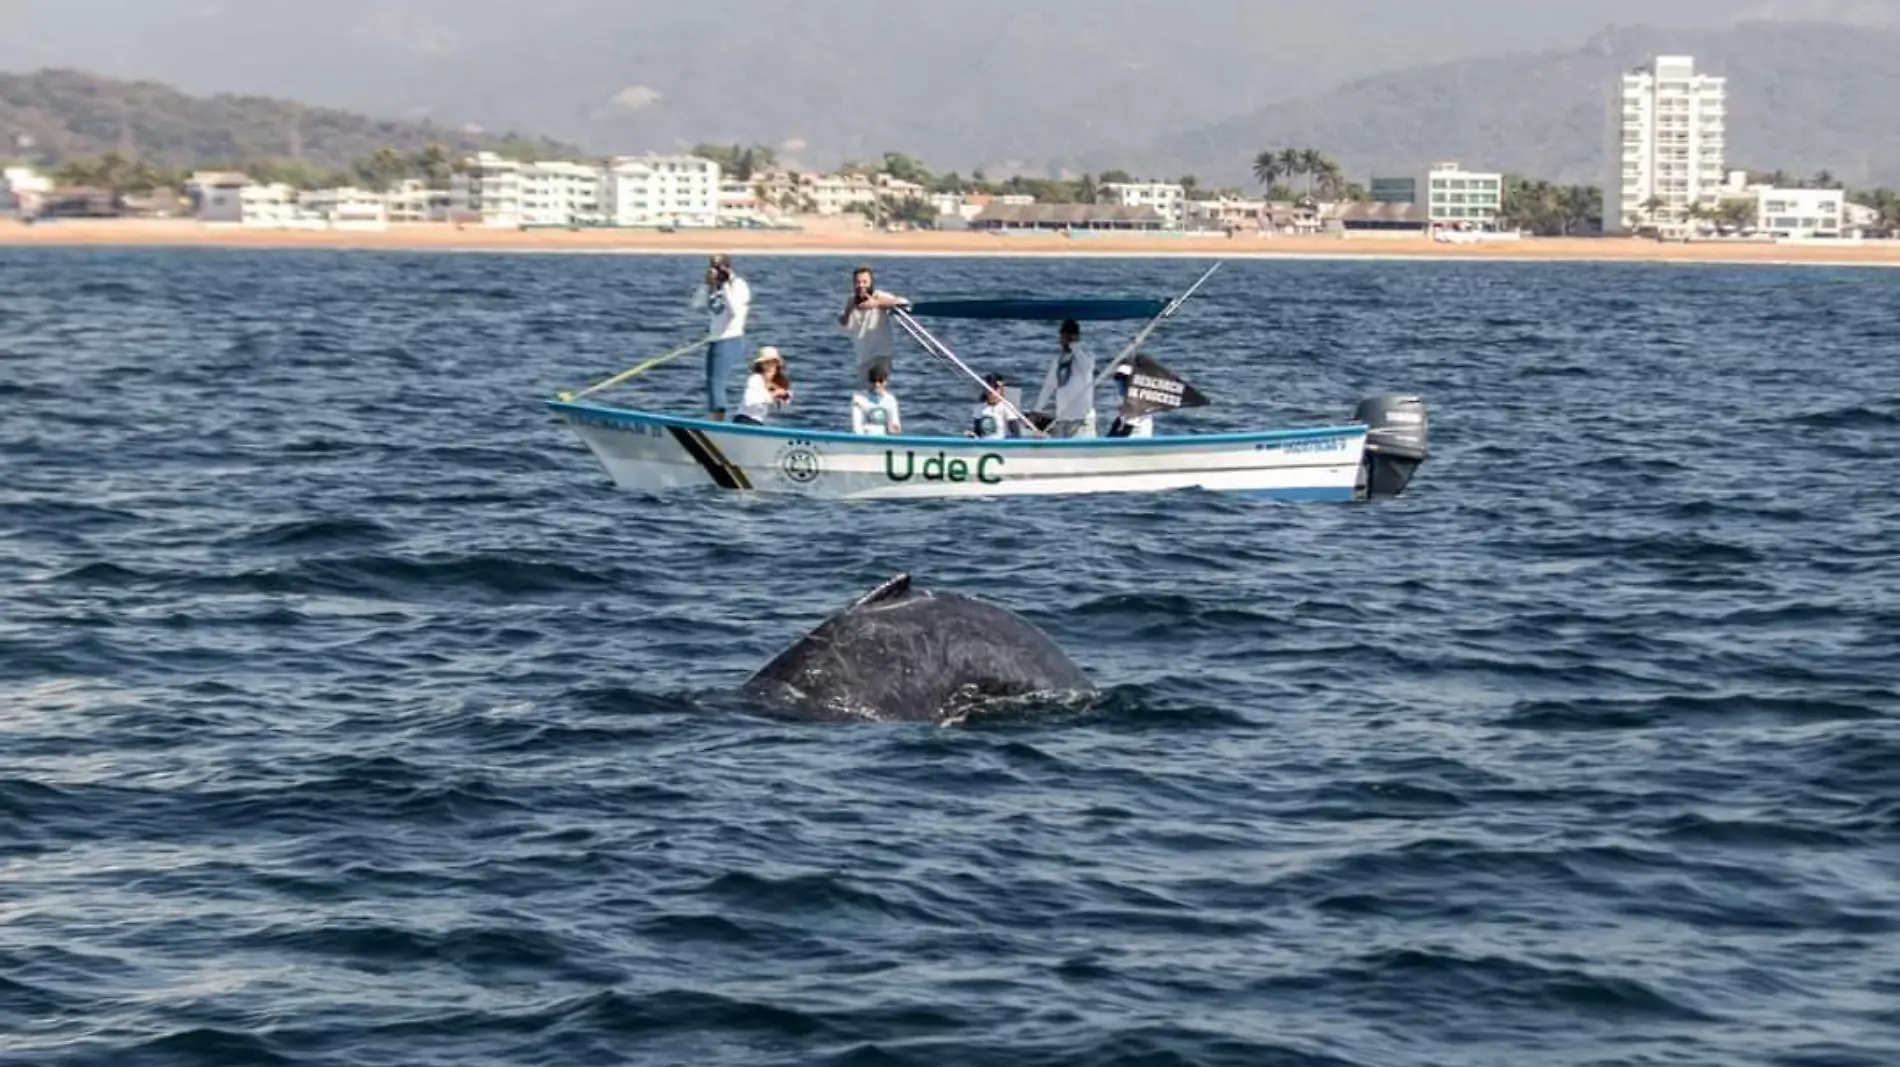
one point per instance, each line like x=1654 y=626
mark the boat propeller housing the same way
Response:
x=1395 y=443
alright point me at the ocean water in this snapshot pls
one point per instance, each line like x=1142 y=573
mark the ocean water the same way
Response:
x=349 y=716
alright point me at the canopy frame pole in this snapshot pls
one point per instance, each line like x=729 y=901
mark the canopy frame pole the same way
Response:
x=942 y=351
x=1166 y=313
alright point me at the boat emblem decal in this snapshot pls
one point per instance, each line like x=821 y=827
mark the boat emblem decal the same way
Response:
x=800 y=463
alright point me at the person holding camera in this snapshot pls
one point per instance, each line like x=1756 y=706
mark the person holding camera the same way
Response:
x=726 y=298
x=867 y=320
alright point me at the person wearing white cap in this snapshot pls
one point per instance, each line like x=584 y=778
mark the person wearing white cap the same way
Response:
x=767 y=390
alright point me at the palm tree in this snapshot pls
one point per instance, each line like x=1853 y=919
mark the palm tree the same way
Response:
x=1266 y=168
x=1290 y=162
x=1332 y=182
x=1312 y=164
x=1652 y=207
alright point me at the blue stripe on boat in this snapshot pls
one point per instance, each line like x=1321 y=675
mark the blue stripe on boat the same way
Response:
x=626 y=417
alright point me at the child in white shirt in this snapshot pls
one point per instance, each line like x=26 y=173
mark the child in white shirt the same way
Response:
x=875 y=413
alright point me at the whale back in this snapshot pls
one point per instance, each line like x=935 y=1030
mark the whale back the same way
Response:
x=902 y=654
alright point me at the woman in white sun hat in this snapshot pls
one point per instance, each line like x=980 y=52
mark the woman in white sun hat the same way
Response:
x=767 y=390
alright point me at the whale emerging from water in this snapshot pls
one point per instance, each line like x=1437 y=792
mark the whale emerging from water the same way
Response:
x=899 y=654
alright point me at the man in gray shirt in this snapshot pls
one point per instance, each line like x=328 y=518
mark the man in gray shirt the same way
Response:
x=867 y=320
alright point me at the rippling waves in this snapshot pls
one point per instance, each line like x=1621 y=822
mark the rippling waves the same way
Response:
x=348 y=717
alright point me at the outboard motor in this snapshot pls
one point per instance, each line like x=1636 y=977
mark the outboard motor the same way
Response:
x=1395 y=443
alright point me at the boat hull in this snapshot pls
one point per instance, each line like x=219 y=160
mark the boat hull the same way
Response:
x=650 y=452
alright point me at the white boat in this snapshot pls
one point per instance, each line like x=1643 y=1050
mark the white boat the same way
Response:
x=648 y=451
x=1374 y=455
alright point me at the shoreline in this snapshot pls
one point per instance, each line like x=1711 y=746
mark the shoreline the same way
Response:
x=445 y=237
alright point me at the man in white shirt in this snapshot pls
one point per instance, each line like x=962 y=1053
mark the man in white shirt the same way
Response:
x=727 y=299
x=1071 y=380
x=867 y=320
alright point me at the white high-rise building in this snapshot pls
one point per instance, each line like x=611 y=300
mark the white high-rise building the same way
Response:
x=661 y=191
x=1668 y=143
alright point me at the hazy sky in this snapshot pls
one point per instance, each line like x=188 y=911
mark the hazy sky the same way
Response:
x=982 y=80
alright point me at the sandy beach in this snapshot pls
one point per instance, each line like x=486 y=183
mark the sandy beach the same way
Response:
x=449 y=238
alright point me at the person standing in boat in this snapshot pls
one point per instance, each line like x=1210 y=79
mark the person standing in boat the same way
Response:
x=867 y=321
x=1071 y=382
x=874 y=411
x=767 y=389
x=1140 y=425
x=727 y=299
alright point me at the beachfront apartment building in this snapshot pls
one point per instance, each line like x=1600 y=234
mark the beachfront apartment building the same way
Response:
x=346 y=208
x=835 y=194
x=1668 y=143
x=1458 y=197
x=1801 y=213
x=1226 y=213
x=414 y=200
x=510 y=193
x=233 y=199
x=661 y=191
x=1169 y=199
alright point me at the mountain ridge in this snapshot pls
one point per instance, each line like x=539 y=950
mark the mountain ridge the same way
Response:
x=1802 y=96
x=1002 y=85
x=71 y=114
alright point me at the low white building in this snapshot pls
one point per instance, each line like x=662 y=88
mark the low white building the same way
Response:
x=235 y=200
x=272 y=205
x=1457 y=196
x=1169 y=199
x=1857 y=219
x=1225 y=212
x=739 y=201
x=347 y=208
x=661 y=191
x=1800 y=212
x=835 y=194
x=217 y=195
x=22 y=189
x=413 y=200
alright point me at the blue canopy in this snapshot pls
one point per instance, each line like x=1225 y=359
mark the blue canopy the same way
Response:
x=1080 y=309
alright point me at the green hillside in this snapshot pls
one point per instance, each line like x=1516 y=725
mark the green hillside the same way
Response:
x=55 y=117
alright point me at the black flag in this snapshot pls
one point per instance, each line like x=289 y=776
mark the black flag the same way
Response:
x=1153 y=387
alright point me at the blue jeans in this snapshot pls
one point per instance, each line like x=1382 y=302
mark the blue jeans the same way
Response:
x=721 y=357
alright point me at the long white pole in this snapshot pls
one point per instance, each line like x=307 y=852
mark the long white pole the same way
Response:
x=1166 y=313
x=942 y=351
